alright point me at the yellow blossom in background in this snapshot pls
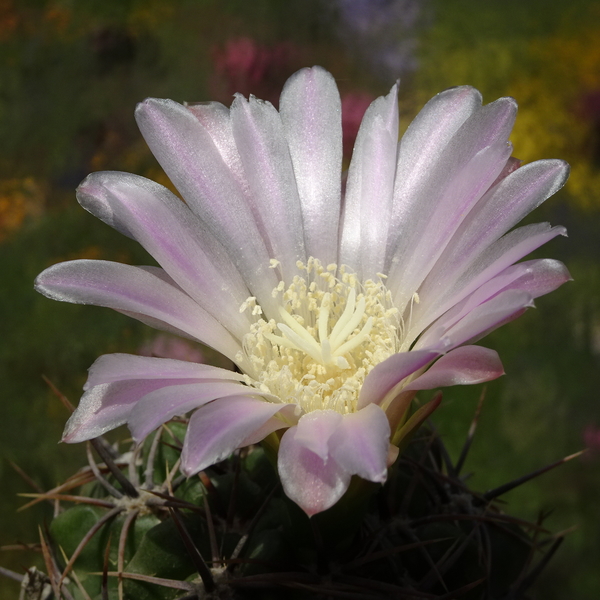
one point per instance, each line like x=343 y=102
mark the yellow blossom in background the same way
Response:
x=551 y=75
x=19 y=199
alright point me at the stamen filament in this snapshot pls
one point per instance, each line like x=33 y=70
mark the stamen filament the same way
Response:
x=324 y=317
x=313 y=350
x=295 y=326
x=345 y=317
x=351 y=325
x=359 y=338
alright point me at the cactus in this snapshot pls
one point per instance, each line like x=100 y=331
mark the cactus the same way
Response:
x=139 y=531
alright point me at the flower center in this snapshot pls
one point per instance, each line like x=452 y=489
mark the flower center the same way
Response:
x=330 y=332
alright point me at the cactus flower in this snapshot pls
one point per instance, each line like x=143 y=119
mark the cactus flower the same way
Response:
x=335 y=306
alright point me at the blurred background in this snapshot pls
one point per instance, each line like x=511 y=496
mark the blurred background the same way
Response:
x=70 y=76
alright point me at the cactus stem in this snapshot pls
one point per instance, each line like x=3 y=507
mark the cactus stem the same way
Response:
x=244 y=539
x=87 y=537
x=450 y=557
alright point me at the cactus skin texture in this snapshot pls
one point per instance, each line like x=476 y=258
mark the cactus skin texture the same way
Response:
x=139 y=531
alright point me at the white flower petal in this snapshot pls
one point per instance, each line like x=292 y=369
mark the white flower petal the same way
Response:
x=195 y=147
x=360 y=443
x=311 y=113
x=369 y=191
x=220 y=427
x=315 y=484
x=136 y=291
x=174 y=236
x=265 y=154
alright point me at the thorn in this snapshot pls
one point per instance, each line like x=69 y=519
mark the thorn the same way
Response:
x=49 y=564
x=11 y=574
x=212 y=535
x=507 y=487
x=69 y=498
x=529 y=580
x=78 y=583
x=105 y=570
x=389 y=552
x=113 y=491
x=129 y=520
x=149 y=472
x=461 y=591
x=471 y=433
x=234 y=487
x=170 y=583
x=193 y=552
x=127 y=486
x=65 y=401
x=244 y=539
x=26 y=477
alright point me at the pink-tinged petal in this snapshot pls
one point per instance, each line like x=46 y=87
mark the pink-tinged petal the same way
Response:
x=215 y=119
x=311 y=482
x=499 y=210
x=466 y=365
x=422 y=145
x=139 y=291
x=484 y=318
x=435 y=207
x=310 y=109
x=386 y=375
x=498 y=257
x=361 y=442
x=460 y=195
x=265 y=154
x=195 y=147
x=369 y=190
x=174 y=236
x=160 y=406
x=119 y=367
x=220 y=427
x=314 y=430
x=107 y=406
x=285 y=418
x=536 y=277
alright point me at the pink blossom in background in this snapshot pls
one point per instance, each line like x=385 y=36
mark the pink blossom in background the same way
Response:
x=166 y=346
x=244 y=66
x=336 y=305
x=591 y=437
x=354 y=106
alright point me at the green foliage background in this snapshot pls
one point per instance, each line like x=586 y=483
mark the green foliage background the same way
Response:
x=70 y=75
